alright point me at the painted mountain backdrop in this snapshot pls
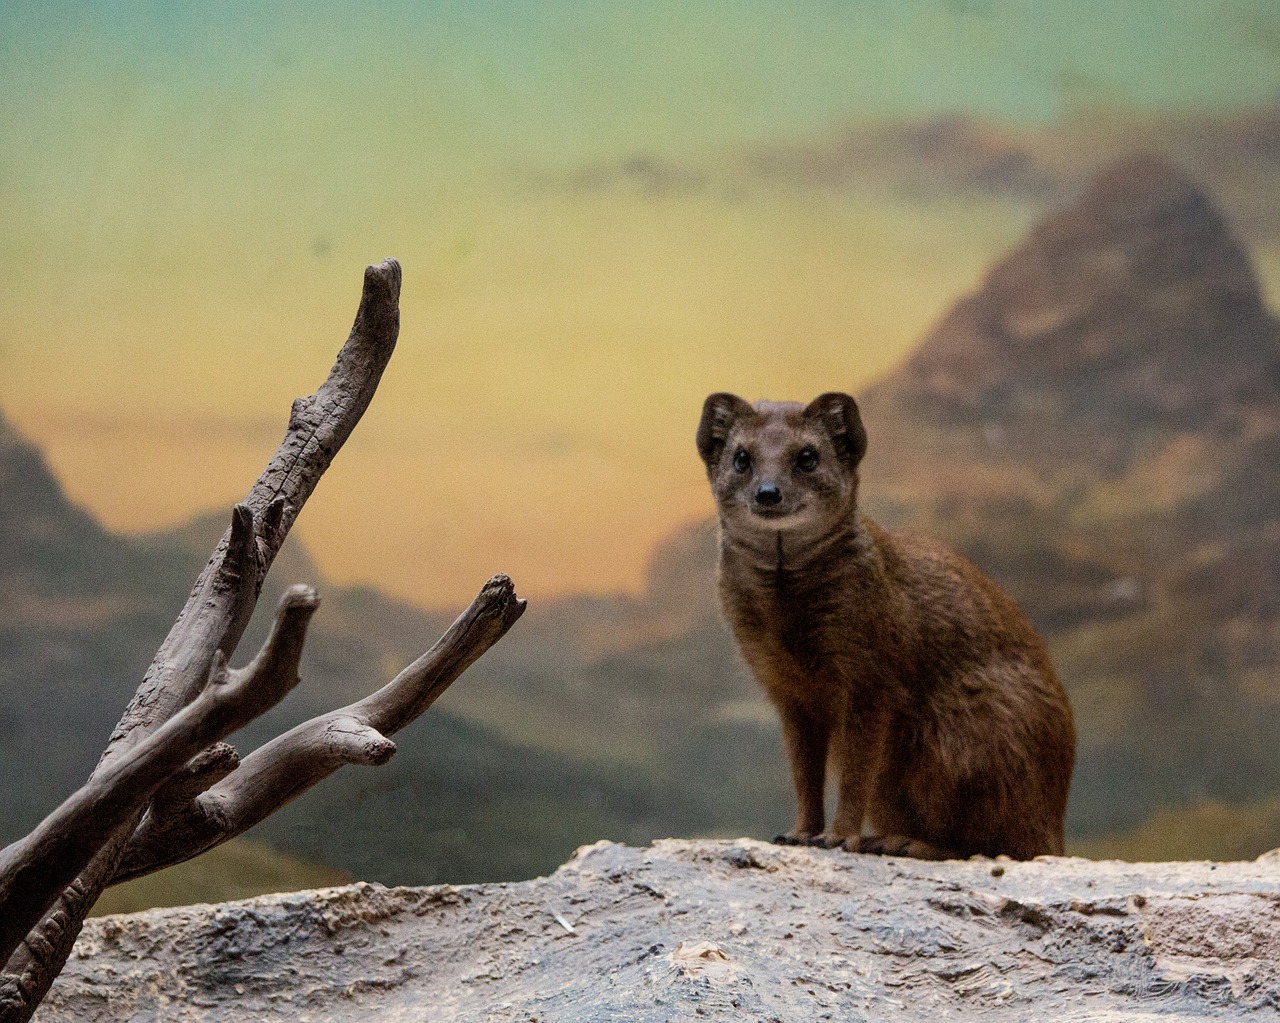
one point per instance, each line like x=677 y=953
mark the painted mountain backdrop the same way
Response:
x=1098 y=427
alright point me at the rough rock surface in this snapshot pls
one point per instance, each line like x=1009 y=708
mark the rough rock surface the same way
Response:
x=710 y=929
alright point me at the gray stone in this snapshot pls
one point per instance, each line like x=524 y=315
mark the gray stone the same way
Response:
x=710 y=930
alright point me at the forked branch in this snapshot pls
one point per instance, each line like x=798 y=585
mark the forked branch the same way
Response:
x=287 y=766
x=37 y=868
x=222 y=600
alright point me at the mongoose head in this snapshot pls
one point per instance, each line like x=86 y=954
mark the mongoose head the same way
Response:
x=782 y=466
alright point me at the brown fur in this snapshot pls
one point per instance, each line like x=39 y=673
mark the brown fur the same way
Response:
x=895 y=665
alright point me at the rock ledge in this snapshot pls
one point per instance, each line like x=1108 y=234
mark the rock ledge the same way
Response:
x=710 y=929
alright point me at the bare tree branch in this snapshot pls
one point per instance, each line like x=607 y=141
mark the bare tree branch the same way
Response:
x=218 y=609
x=287 y=766
x=36 y=869
x=203 y=772
x=222 y=600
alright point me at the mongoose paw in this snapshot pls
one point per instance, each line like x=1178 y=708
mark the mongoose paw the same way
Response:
x=828 y=840
x=895 y=845
x=795 y=838
x=880 y=845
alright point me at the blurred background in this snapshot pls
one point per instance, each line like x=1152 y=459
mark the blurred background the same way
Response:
x=1040 y=244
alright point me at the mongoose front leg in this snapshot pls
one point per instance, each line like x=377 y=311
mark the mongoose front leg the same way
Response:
x=863 y=734
x=805 y=736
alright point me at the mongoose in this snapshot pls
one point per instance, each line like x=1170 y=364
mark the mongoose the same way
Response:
x=893 y=662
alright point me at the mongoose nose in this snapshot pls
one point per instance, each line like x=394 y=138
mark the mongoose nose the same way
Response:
x=767 y=495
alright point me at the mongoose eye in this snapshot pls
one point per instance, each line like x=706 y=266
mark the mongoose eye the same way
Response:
x=742 y=460
x=807 y=459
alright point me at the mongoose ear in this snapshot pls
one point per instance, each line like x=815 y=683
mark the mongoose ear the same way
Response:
x=719 y=412
x=839 y=416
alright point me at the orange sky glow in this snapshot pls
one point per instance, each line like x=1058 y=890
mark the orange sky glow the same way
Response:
x=538 y=415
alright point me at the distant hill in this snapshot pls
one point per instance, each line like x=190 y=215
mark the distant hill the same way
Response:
x=237 y=870
x=1205 y=830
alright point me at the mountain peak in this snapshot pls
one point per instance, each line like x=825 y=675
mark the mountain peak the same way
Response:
x=1142 y=228
x=45 y=540
x=1144 y=189
x=1135 y=304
